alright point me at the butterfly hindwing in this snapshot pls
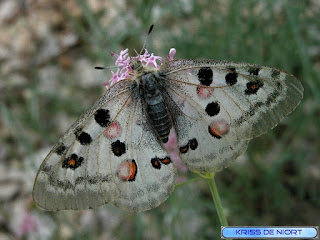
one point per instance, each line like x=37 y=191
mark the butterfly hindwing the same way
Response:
x=106 y=156
x=202 y=151
x=225 y=104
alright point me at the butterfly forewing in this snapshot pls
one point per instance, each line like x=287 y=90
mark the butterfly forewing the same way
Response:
x=228 y=103
x=250 y=95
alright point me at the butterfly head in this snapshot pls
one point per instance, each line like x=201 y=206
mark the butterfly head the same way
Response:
x=133 y=67
x=136 y=66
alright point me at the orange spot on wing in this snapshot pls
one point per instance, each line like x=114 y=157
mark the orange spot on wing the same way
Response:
x=72 y=162
x=218 y=128
x=127 y=170
x=166 y=160
x=133 y=171
x=213 y=133
x=184 y=149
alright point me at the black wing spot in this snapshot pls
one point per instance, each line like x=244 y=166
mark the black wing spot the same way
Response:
x=253 y=87
x=193 y=143
x=118 y=148
x=212 y=109
x=254 y=71
x=251 y=111
x=102 y=117
x=79 y=180
x=275 y=73
x=156 y=163
x=231 y=78
x=47 y=168
x=60 y=149
x=205 y=75
x=184 y=149
x=72 y=162
x=258 y=105
x=271 y=99
x=84 y=138
x=92 y=180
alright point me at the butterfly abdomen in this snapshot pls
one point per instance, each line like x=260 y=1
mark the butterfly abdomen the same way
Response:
x=160 y=120
x=155 y=107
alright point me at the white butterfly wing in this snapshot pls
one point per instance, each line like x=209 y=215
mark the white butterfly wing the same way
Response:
x=108 y=156
x=225 y=104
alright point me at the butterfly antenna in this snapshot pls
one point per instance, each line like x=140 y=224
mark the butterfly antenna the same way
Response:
x=145 y=40
x=102 y=68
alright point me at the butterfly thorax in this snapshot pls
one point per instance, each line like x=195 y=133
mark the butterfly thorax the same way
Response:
x=155 y=108
x=139 y=70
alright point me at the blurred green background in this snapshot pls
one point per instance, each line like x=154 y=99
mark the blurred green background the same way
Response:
x=48 y=50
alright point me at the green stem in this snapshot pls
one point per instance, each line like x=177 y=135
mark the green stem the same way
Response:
x=215 y=196
x=216 y=199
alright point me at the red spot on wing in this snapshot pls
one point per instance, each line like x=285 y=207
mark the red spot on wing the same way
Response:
x=127 y=170
x=204 y=92
x=72 y=162
x=156 y=163
x=113 y=130
x=166 y=160
x=218 y=128
x=184 y=149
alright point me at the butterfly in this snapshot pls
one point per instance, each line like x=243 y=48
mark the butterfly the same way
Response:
x=115 y=152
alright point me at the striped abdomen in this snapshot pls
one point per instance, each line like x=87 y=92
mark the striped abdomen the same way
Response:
x=160 y=120
x=155 y=107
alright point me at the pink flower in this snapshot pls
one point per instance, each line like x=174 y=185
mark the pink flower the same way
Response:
x=123 y=62
x=149 y=59
x=172 y=148
x=172 y=52
x=29 y=223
